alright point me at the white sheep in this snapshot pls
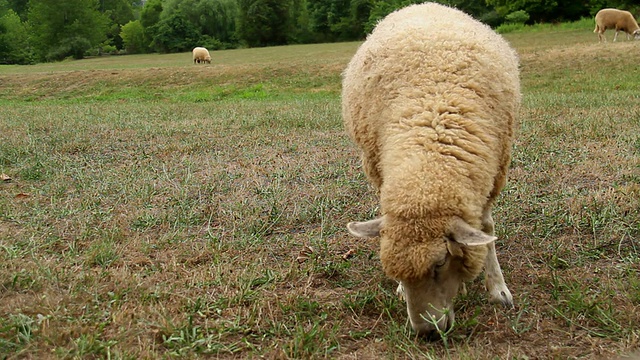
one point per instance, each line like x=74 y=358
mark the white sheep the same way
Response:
x=619 y=20
x=430 y=98
x=201 y=54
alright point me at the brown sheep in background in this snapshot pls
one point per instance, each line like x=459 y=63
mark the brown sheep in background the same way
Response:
x=619 y=20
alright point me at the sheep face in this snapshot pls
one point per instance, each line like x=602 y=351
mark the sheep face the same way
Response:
x=431 y=258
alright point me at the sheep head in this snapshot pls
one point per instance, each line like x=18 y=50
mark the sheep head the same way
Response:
x=431 y=258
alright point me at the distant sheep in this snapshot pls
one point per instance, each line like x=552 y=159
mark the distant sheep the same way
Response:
x=619 y=20
x=431 y=98
x=201 y=54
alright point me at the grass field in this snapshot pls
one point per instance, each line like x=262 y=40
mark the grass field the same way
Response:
x=150 y=208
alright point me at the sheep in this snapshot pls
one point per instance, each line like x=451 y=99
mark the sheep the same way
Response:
x=431 y=98
x=201 y=54
x=619 y=20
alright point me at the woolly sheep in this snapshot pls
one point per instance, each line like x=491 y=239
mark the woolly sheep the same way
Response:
x=619 y=20
x=201 y=54
x=430 y=98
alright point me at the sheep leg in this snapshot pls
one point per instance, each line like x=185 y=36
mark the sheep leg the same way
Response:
x=494 y=280
x=615 y=36
x=601 y=37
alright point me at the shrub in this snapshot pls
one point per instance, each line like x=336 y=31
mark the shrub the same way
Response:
x=70 y=47
x=517 y=17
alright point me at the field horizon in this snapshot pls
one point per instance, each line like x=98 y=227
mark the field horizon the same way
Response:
x=152 y=208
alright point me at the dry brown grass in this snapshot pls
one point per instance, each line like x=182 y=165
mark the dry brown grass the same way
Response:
x=184 y=211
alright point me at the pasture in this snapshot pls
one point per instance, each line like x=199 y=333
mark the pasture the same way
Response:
x=151 y=208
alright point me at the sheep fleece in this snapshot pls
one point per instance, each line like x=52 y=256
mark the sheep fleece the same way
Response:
x=201 y=54
x=431 y=98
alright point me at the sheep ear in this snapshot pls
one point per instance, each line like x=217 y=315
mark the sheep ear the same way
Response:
x=465 y=234
x=365 y=229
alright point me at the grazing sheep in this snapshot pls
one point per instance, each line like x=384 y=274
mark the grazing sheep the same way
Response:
x=619 y=20
x=430 y=98
x=201 y=54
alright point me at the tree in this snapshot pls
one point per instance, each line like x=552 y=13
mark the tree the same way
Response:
x=215 y=20
x=132 y=34
x=352 y=26
x=174 y=33
x=149 y=19
x=326 y=16
x=300 y=32
x=20 y=8
x=264 y=22
x=119 y=12
x=14 y=40
x=62 y=28
x=218 y=20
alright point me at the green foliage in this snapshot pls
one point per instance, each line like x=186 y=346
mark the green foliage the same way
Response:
x=133 y=38
x=66 y=28
x=74 y=47
x=352 y=25
x=149 y=18
x=14 y=40
x=20 y=7
x=264 y=22
x=330 y=19
x=119 y=13
x=301 y=30
x=150 y=14
x=509 y=28
x=517 y=17
x=215 y=20
x=175 y=33
x=582 y=24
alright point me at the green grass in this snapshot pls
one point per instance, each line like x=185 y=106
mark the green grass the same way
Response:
x=158 y=209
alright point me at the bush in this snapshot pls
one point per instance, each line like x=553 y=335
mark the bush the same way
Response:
x=211 y=43
x=71 y=47
x=517 y=17
x=108 y=49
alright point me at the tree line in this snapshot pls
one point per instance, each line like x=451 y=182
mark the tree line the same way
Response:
x=33 y=31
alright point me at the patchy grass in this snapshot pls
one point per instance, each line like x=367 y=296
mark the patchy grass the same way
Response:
x=158 y=209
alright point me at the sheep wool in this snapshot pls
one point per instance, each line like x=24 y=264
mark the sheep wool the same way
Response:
x=431 y=98
x=201 y=55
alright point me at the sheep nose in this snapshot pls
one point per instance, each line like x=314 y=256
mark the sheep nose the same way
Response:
x=433 y=330
x=430 y=332
x=432 y=335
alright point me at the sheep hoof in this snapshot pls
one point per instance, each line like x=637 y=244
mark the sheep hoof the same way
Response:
x=501 y=296
x=400 y=292
x=463 y=289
